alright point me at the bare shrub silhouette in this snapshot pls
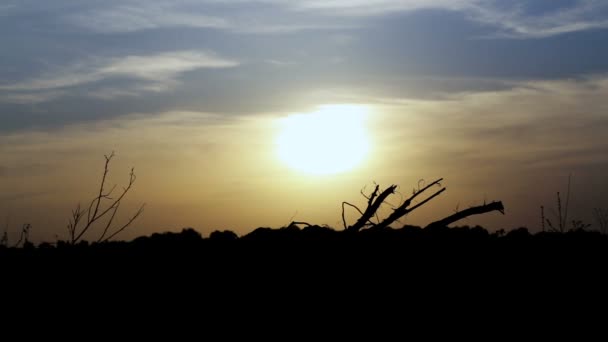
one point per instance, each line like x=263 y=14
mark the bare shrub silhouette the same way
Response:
x=24 y=236
x=83 y=219
x=601 y=215
x=4 y=239
x=561 y=215
x=376 y=199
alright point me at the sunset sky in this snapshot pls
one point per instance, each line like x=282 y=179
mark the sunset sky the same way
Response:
x=247 y=113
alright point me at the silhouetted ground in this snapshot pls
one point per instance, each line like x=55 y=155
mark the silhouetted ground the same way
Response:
x=322 y=248
x=305 y=280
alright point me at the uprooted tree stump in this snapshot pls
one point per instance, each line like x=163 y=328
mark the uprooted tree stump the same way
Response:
x=378 y=198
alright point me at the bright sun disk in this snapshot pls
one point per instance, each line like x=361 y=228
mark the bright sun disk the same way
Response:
x=330 y=140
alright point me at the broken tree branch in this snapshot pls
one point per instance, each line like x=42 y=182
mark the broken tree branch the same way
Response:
x=403 y=209
x=373 y=204
x=375 y=200
x=482 y=209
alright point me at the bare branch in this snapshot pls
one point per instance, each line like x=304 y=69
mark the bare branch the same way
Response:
x=482 y=209
x=141 y=210
x=403 y=209
x=25 y=233
x=553 y=229
x=426 y=200
x=372 y=206
x=105 y=230
x=567 y=200
x=542 y=217
x=601 y=216
x=343 y=215
x=96 y=211
x=375 y=200
x=416 y=193
x=103 y=182
x=370 y=199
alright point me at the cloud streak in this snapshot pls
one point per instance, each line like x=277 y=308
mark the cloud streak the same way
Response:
x=143 y=16
x=512 y=19
x=154 y=72
x=517 y=23
x=135 y=15
x=30 y=97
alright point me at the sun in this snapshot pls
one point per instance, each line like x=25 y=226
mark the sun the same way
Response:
x=331 y=140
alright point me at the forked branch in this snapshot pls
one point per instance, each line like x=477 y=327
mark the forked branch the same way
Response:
x=373 y=204
x=376 y=199
x=77 y=226
x=405 y=209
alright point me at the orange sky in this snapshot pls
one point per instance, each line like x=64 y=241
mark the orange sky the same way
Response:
x=503 y=99
x=207 y=172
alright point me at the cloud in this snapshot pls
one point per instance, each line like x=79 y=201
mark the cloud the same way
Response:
x=537 y=123
x=156 y=73
x=279 y=63
x=503 y=142
x=376 y=7
x=134 y=15
x=142 y=16
x=514 y=18
x=30 y=97
x=165 y=65
x=518 y=23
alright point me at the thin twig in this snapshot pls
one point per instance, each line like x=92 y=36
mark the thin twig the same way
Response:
x=141 y=210
x=343 y=215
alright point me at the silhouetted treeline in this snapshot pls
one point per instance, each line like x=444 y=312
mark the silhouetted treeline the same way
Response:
x=296 y=267
x=316 y=240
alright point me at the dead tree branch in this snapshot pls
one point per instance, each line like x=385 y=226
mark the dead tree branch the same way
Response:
x=373 y=204
x=375 y=200
x=139 y=211
x=482 y=209
x=24 y=236
x=601 y=215
x=343 y=211
x=95 y=210
x=404 y=209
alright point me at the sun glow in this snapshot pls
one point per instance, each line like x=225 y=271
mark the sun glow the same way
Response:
x=330 y=140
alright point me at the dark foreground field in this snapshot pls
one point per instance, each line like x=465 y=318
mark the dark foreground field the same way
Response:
x=320 y=249
x=307 y=279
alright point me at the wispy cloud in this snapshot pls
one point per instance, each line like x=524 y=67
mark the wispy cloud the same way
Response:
x=279 y=63
x=30 y=97
x=156 y=73
x=513 y=19
x=141 y=16
x=516 y=22
x=134 y=15
x=375 y=7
